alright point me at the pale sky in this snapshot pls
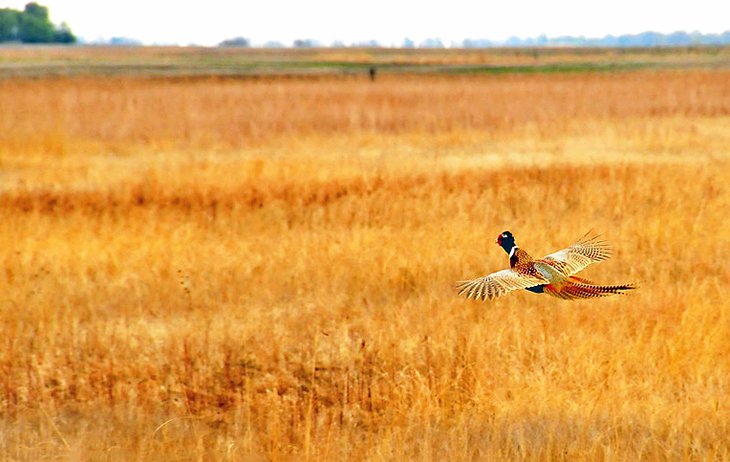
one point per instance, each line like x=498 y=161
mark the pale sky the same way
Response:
x=387 y=21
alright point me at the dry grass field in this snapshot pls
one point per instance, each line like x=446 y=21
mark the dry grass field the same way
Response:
x=263 y=269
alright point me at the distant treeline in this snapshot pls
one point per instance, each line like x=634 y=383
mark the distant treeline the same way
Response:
x=32 y=25
x=644 y=39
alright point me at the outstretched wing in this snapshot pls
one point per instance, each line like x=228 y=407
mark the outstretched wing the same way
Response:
x=588 y=249
x=496 y=284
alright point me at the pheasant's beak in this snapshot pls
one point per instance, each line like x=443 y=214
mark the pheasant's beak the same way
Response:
x=499 y=240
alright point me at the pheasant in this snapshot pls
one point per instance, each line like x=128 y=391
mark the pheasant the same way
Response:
x=552 y=275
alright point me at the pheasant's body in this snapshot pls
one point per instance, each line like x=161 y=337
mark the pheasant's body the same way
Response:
x=553 y=275
x=521 y=262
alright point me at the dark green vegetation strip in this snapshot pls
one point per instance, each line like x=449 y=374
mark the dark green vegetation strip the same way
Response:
x=561 y=68
x=180 y=62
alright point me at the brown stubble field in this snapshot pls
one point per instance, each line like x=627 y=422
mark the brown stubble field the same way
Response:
x=263 y=268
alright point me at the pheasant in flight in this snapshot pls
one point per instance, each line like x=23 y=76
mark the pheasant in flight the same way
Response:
x=552 y=275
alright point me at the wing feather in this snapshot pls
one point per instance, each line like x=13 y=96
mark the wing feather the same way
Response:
x=588 y=249
x=496 y=284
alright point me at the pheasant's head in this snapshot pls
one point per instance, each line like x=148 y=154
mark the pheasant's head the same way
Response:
x=506 y=241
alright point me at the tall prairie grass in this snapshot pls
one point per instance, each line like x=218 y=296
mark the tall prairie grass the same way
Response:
x=61 y=116
x=219 y=269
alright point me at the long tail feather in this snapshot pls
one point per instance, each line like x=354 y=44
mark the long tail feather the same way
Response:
x=576 y=288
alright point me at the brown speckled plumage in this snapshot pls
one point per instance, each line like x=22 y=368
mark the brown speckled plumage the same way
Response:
x=552 y=275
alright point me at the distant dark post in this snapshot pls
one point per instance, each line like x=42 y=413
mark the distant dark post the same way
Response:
x=372 y=73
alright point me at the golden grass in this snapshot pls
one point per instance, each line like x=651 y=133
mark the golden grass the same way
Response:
x=263 y=269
